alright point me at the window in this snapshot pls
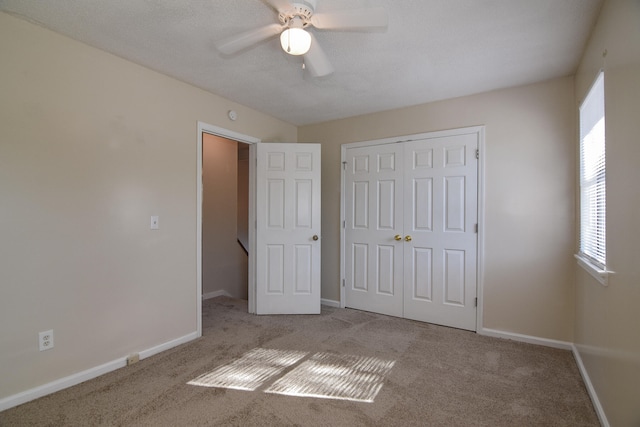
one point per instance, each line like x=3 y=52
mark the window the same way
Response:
x=593 y=251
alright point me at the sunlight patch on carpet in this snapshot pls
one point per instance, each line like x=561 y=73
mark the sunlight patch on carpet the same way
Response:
x=334 y=376
x=322 y=375
x=250 y=371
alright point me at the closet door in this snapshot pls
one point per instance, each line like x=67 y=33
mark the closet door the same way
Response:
x=373 y=229
x=411 y=211
x=440 y=216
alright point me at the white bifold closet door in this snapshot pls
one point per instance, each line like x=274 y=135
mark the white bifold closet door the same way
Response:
x=411 y=214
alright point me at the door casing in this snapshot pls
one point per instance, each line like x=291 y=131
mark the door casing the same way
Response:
x=480 y=130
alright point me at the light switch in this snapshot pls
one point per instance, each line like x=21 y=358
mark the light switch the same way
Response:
x=155 y=222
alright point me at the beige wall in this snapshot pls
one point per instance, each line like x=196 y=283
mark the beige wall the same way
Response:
x=224 y=262
x=90 y=147
x=608 y=318
x=529 y=189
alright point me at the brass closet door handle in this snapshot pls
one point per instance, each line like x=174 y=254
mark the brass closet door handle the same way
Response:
x=407 y=238
x=397 y=237
x=315 y=237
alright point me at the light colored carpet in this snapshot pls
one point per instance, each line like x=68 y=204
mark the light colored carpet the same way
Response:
x=434 y=376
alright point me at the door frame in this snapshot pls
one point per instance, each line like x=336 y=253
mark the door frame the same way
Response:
x=246 y=139
x=480 y=131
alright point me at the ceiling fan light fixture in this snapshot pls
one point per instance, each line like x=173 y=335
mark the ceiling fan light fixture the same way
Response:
x=295 y=41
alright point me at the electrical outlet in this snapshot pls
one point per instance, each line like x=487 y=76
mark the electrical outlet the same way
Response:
x=133 y=358
x=45 y=340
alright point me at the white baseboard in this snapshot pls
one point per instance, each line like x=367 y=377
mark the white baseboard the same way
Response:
x=330 y=303
x=77 y=378
x=590 y=389
x=214 y=294
x=564 y=345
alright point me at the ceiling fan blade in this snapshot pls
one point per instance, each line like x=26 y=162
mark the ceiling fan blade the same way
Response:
x=375 y=17
x=241 y=41
x=279 y=5
x=316 y=60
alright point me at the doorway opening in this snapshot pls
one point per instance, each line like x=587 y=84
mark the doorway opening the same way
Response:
x=242 y=239
x=225 y=217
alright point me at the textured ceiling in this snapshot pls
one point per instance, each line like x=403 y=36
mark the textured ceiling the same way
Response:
x=431 y=50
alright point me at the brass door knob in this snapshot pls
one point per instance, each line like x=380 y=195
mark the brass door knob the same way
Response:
x=315 y=237
x=397 y=237
x=407 y=238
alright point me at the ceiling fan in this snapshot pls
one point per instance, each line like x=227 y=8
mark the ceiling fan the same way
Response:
x=295 y=18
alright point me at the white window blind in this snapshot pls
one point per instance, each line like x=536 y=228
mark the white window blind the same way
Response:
x=593 y=176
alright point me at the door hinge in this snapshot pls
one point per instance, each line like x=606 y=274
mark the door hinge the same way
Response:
x=343 y=283
x=476 y=228
x=344 y=224
x=476 y=302
x=344 y=165
x=477 y=154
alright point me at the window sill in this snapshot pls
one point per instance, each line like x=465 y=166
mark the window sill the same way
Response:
x=602 y=276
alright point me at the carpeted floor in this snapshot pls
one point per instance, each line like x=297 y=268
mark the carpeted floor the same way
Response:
x=439 y=377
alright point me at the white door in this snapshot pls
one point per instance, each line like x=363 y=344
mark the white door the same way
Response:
x=373 y=258
x=440 y=216
x=410 y=238
x=288 y=229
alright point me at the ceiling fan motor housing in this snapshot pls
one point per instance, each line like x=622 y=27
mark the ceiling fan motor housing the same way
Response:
x=302 y=9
